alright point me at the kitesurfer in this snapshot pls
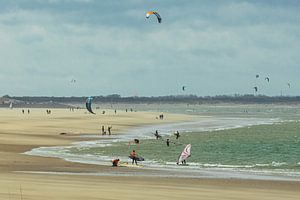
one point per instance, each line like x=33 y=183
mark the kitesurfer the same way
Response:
x=115 y=162
x=157 y=135
x=177 y=135
x=133 y=157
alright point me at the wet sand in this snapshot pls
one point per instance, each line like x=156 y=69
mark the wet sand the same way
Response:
x=22 y=132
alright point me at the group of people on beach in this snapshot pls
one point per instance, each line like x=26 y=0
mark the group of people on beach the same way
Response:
x=157 y=136
x=131 y=110
x=28 y=111
x=108 y=130
x=133 y=155
x=161 y=117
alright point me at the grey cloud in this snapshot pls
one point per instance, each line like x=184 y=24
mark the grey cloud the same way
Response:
x=110 y=47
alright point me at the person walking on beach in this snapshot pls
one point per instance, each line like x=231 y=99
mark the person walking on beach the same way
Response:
x=103 y=130
x=23 y=111
x=133 y=157
x=109 y=130
x=168 y=142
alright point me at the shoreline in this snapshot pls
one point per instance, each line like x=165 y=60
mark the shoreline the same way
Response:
x=20 y=133
x=194 y=170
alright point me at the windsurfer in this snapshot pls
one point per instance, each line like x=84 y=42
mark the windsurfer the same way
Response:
x=185 y=154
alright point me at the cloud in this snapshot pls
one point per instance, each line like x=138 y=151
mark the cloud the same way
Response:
x=212 y=47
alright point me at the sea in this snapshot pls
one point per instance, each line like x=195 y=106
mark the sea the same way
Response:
x=228 y=141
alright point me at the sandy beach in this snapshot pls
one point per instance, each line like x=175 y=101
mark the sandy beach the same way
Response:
x=20 y=176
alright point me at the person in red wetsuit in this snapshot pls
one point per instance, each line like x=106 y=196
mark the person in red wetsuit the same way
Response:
x=133 y=156
x=115 y=162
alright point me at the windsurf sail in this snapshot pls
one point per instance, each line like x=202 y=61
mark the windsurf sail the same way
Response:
x=185 y=153
x=11 y=105
x=88 y=104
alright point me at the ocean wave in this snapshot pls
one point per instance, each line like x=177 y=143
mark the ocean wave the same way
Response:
x=229 y=166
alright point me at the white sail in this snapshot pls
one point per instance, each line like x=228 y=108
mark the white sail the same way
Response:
x=185 y=153
x=11 y=105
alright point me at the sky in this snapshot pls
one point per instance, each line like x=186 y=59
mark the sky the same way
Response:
x=109 y=47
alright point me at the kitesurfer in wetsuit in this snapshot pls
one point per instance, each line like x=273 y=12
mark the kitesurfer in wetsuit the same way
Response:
x=157 y=135
x=177 y=135
x=133 y=157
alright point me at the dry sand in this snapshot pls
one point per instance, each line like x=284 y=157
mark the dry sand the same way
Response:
x=22 y=132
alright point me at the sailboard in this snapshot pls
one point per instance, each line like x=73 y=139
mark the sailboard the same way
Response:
x=138 y=158
x=184 y=154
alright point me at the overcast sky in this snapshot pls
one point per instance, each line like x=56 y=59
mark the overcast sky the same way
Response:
x=108 y=46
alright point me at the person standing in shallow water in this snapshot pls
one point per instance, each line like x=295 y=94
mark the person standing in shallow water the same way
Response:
x=157 y=135
x=133 y=157
x=177 y=135
x=168 y=142
x=115 y=162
